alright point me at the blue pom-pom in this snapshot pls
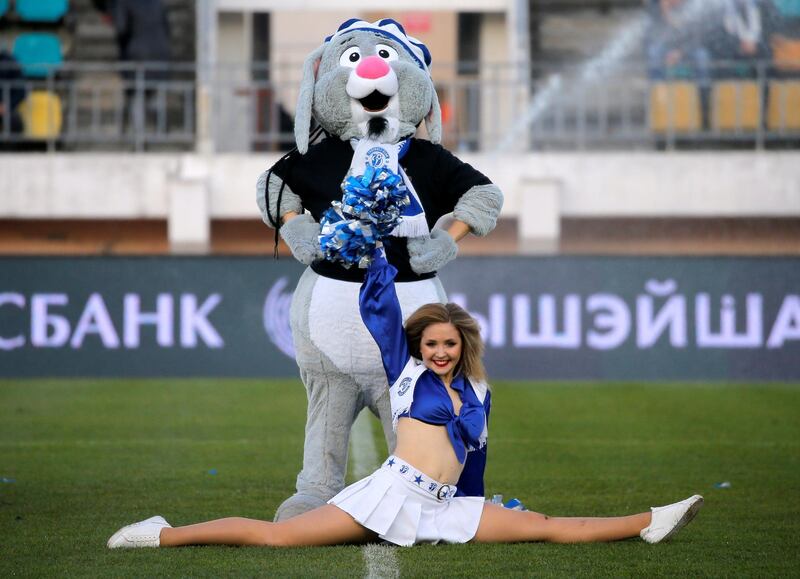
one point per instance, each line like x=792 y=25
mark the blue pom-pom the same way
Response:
x=371 y=207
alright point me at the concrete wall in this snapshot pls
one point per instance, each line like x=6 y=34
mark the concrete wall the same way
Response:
x=190 y=190
x=293 y=36
x=233 y=105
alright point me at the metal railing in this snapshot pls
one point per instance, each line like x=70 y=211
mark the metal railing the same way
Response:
x=91 y=106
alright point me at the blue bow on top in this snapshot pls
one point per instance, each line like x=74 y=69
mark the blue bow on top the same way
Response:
x=466 y=428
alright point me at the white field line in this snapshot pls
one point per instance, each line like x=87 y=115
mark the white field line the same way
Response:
x=380 y=561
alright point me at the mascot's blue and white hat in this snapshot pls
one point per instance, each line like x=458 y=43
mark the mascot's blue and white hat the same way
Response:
x=390 y=29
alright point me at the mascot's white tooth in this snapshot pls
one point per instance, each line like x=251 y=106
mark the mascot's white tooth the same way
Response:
x=387 y=85
x=338 y=359
x=358 y=87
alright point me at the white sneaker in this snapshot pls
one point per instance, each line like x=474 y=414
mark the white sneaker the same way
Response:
x=145 y=533
x=670 y=519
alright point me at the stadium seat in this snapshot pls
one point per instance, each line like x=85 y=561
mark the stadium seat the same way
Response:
x=41 y=115
x=736 y=106
x=37 y=53
x=788 y=7
x=675 y=107
x=783 y=113
x=41 y=10
x=786 y=54
x=3 y=7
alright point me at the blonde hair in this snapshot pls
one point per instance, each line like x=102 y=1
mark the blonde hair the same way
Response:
x=471 y=362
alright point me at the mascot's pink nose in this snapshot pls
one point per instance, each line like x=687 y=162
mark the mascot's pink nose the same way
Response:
x=372 y=67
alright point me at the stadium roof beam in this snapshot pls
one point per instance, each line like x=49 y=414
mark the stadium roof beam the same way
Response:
x=206 y=47
x=358 y=5
x=568 y=5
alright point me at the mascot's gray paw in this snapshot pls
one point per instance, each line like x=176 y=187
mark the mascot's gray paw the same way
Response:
x=301 y=234
x=431 y=253
x=297 y=505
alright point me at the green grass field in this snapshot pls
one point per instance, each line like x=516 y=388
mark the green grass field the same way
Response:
x=78 y=459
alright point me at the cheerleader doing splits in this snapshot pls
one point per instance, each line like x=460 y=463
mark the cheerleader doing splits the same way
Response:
x=431 y=489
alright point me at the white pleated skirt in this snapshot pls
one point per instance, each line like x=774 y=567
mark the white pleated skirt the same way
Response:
x=402 y=513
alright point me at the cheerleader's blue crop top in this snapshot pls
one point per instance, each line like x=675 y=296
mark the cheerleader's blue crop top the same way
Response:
x=417 y=392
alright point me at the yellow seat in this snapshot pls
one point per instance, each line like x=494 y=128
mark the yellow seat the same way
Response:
x=41 y=115
x=783 y=113
x=736 y=106
x=786 y=53
x=675 y=107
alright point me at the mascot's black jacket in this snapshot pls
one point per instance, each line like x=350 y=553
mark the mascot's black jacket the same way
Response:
x=439 y=178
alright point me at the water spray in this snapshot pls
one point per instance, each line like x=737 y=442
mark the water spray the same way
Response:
x=625 y=42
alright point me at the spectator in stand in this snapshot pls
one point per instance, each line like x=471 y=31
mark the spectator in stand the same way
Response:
x=676 y=48
x=744 y=41
x=12 y=92
x=142 y=30
x=143 y=37
x=102 y=7
x=742 y=22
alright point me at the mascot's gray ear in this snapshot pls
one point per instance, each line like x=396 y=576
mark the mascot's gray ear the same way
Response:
x=433 y=121
x=302 y=116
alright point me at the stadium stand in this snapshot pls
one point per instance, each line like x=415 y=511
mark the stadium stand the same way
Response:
x=38 y=53
x=41 y=10
x=624 y=111
x=41 y=115
x=617 y=126
x=784 y=106
x=736 y=106
x=675 y=107
x=786 y=55
x=788 y=7
x=36 y=29
x=93 y=34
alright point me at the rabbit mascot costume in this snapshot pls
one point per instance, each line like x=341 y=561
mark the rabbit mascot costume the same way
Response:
x=368 y=87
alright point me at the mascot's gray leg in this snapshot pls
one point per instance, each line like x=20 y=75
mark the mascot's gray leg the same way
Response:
x=334 y=401
x=327 y=438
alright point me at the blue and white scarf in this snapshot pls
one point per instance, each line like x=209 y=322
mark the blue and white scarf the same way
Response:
x=380 y=155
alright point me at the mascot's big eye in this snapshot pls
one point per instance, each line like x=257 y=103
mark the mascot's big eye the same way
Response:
x=350 y=57
x=387 y=52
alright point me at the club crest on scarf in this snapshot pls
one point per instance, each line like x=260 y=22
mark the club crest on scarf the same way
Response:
x=378 y=157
